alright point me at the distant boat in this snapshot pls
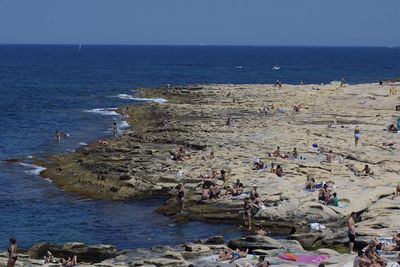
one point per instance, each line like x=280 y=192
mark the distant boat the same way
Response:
x=276 y=68
x=239 y=67
x=80 y=46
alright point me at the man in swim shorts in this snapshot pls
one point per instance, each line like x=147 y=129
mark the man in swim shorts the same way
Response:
x=351 y=231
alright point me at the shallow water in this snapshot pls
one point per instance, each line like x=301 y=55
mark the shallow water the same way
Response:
x=44 y=88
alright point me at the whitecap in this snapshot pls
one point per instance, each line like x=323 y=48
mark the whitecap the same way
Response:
x=129 y=97
x=34 y=169
x=82 y=144
x=104 y=111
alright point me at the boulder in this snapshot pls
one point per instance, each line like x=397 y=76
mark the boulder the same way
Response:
x=263 y=242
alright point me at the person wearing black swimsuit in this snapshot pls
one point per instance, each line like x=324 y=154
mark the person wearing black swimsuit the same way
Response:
x=12 y=253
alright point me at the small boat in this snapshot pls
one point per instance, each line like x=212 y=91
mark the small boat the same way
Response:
x=239 y=67
x=276 y=68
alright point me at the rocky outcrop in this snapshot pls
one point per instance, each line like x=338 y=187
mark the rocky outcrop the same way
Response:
x=237 y=123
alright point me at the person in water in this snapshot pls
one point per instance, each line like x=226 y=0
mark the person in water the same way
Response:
x=12 y=253
x=58 y=136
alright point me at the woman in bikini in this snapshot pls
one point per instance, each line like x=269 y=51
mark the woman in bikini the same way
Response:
x=12 y=253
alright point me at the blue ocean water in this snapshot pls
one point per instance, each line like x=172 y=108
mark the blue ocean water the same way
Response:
x=44 y=88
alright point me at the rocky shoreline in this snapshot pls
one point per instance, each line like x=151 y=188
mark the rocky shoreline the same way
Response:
x=237 y=123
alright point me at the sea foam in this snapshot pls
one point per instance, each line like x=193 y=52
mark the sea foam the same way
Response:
x=34 y=169
x=103 y=111
x=129 y=97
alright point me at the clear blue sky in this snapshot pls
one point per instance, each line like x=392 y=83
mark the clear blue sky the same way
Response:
x=210 y=22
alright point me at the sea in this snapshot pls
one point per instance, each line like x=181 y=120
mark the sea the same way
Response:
x=77 y=89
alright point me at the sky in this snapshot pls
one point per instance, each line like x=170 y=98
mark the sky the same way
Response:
x=208 y=22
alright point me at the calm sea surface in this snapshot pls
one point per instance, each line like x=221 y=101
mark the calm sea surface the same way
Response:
x=43 y=88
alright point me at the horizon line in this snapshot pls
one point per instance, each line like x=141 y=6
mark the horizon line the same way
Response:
x=206 y=45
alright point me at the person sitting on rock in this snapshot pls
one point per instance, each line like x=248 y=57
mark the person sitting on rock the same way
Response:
x=295 y=154
x=392 y=128
x=69 y=262
x=334 y=200
x=273 y=169
x=324 y=195
x=397 y=193
x=310 y=183
x=205 y=192
x=329 y=157
x=279 y=171
x=258 y=204
x=49 y=258
x=366 y=171
x=253 y=193
x=277 y=152
x=214 y=191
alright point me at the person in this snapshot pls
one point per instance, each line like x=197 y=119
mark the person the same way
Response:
x=324 y=194
x=279 y=171
x=125 y=113
x=12 y=253
x=180 y=197
x=335 y=200
x=356 y=262
x=310 y=183
x=381 y=83
x=49 y=258
x=247 y=213
x=342 y=83
x=351 y=231
x=69 y=262
x=58 y=136
x=277 y=152
x=237 y=254
x=367 y=170
x=397 y=193
x=392 y=128
x=253 y=193
x=329 y=157
x=273 y=170
x=115 y=129
x=228 y=121
x=295 y=154
x=357 y=135
x=261 y=262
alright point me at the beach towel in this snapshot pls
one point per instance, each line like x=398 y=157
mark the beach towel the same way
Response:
x=315 y=259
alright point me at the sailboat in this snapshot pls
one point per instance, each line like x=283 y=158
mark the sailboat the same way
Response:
x=80 y=46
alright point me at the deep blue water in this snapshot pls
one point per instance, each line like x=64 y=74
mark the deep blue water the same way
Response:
x=44 y=88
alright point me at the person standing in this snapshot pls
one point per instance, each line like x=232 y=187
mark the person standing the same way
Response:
x=357 y=135
x=58 y=136
x=180 y=198
x=12 y=253
x=351 y=231
x=115 y=130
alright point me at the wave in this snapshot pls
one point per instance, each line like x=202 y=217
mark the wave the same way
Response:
x=82 y=144
x=124 y=124
x=34 y=169
x=104 y=111
x=129 y=97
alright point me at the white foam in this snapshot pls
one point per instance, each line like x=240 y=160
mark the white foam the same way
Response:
x=124 y=124
x=129 y=97
x=34 y=169
x=82 y=144
x=48 y=180
x=104 y=111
